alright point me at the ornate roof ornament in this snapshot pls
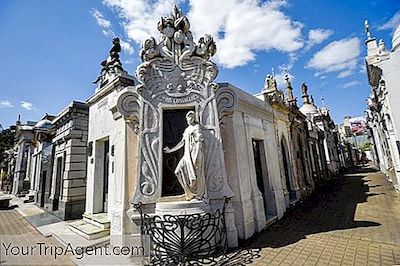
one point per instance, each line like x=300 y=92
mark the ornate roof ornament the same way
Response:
x=304 y=91
x=176 y=53
x=271 y=89
x=290 y=99
x=177 y=41
x=270 y=83
x=366 y=27
x=112 y=65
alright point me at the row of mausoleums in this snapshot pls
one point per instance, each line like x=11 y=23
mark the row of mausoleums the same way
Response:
x=383 y=116
x=95 y=159
x=275 y=156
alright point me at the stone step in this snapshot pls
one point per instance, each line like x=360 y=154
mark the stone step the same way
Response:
x=87 y=230
x=98 y=219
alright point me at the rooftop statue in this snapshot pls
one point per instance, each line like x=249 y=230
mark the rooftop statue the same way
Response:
x=112 y=64
x=304 y=88
x=190 y=169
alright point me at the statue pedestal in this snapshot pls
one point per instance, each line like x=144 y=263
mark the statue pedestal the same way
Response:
x=182 y=207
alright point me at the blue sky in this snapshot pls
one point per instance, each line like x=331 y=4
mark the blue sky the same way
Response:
x=51 y=50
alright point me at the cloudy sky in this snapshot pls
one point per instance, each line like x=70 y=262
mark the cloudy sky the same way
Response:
x=51 y=50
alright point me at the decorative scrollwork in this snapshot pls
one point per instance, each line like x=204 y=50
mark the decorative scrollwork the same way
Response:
x=128 y=104
x=189 y=239
x=226 y=102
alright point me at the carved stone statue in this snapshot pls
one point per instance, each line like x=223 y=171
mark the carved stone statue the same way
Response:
x=304 y=89
x=190 y=169
x=112 y=64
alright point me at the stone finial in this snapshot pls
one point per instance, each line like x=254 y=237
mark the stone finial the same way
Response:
x=381 y=46
x=304 y=90
x=366 y=27
x=291 y=100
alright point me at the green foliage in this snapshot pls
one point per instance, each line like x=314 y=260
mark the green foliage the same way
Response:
x=6 y=139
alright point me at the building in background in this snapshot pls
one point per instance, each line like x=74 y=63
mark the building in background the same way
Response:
x=356 y=139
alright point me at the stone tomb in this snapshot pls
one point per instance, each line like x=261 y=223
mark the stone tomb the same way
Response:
x=176 y=84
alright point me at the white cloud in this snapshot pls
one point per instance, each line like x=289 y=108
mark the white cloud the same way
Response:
x=363 y=68
x=350 y=84
x=27 y=105
x=339 y=55
x=5 y=104
x=107 y=31
x=140 y=17
x=104 y=23
x=345 y=74
x=317 y=36
x=126 y=47
x=240 y=28
x=392 y=23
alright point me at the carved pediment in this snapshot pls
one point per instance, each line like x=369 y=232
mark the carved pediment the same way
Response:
x=176 y=70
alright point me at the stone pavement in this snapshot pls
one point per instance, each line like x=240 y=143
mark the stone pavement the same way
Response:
x=17 y=234
x=353 y=220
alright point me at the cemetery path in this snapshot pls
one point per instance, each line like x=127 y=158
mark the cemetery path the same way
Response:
x=19 y=243
x=352 y=220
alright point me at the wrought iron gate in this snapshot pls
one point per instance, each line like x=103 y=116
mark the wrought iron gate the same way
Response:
x=187 y=239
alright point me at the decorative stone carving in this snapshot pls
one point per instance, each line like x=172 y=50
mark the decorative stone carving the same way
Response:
x=176 y=74
x=190 y=169
x=129 y=105
x=112 y=65
x=226 y=102
x=271 y=90
x=290 y=99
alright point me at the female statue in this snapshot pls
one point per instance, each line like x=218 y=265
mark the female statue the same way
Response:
x=190 y=169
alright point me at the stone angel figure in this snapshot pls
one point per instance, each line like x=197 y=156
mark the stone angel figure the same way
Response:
x=190 y=169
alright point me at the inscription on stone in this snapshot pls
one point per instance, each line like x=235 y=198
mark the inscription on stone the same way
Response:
x=186 y=99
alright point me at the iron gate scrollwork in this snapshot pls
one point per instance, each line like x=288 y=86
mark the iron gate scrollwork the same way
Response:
x=186 y=239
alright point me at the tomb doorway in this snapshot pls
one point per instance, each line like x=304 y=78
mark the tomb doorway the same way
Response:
x=261 y=168
x=57 y=184
x=106 y=162
x=174 y=124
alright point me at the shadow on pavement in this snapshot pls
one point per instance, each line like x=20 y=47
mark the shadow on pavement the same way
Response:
x=240 y=257
x=331 y=207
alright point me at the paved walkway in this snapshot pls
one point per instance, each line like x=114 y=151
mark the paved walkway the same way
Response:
x=17 y=236
x=353 y=220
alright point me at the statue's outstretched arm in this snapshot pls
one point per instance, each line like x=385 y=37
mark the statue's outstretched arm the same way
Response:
x=177 y=147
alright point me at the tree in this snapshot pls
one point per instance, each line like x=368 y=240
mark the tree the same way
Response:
x=7 y=137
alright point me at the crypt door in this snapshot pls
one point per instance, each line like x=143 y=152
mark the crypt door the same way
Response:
x=174 y=124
